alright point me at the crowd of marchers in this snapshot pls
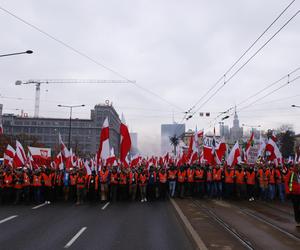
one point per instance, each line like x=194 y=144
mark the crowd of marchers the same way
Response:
x=242 y=182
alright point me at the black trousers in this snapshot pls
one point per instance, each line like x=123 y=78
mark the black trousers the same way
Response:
x=296 y=205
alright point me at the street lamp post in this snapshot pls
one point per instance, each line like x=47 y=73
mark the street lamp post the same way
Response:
x=70 y=123
x=17 y=53
x=295 y=106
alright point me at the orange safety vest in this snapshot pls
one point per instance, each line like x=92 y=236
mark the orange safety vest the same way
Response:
x=133 y=177
x=142 y=179
x=250 y=177
x=123 y=179
x=209 y=176
x=37 y=181
x=240 y=177
x=229 y=176
x=262 y=177
x=114 y=178
x=279 y=177
x=271 y=176
x=181 y=176
x=190 y=175
x=104 y=176
x=47 y=180
x=72 y=180
x=162 y=177
x=80 y=181
x=90 y=180
x=217 y=174
x=18 y=184
x=8 y=181
x=199 y=174
x=172 y=175
x=58 y=180
x=26 y=180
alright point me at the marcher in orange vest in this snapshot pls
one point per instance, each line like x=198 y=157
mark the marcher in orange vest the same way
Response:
x=37 y=186
x=229 y=181
x=217 y=180
x=209 y=180
x=294 y=191
x=18 y=186
x=151 y=187
x=172 y=176
x=58 y=184
x=263 y=182
x=26 y=185
x=200 y=181
x=123 y=188
x=47 y=185
x=92 y=186
x=114 y=181
x=81 y=187
x=132 y=181
x=104 y=179
x=190 y=180
x=162 y=176
x=271 y=181
x=250 y=180
x=8 y=186
x=240 y=182
x=280 y=183
x=143 y=184
x=72 y=192
x=181 y=178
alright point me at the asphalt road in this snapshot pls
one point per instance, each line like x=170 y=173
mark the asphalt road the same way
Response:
x=121 y=225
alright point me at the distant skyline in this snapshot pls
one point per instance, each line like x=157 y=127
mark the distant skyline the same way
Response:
x=175 y=49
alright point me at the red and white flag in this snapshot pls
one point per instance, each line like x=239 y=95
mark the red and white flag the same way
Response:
x=125 y=142
x=9 y=155
x=20 y=156
x=135 y=161
x=59 y=161
x=273 y=151
x=104 y=149
x=41 y=156
x=111 y=159
x=194 y=148
x=248 y=146
x=234 y=156
x=63 y=149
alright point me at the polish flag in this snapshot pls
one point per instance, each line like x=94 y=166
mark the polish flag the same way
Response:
x=104 y=149
x=87 y=168
x=59 y=161
x=64 y=150
x=135 y=161
x=248 y=146
x=220 y=151
x=9 y=155
x=20 y=156
x=111 y=159
x=194 y=148
x=125 y=143
x=30 y=163
x=273 y=152
x=41 y=156
x=235 y=155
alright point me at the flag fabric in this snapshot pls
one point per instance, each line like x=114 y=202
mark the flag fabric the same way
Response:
x=59 y=161
x=273 y=151
x=213 y=150
x=135 y=161
x=64 y=150
x=41 y=156
x=125 y=142
x=248 y=146
x=111 y=159
x=9 y=155
x=234 y=156
x=20 y=156
x=104 y=149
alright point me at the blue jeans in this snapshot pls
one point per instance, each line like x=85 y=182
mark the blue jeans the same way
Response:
x=217 y=189
x=172 y=186
x=209 y=189
x=271 y=191
x=281 y=191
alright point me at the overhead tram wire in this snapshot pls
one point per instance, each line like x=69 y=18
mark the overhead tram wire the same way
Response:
x=88 y=57
x=243 y=65
x=239 y=59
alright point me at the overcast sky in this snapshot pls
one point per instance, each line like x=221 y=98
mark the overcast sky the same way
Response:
x=176 y=49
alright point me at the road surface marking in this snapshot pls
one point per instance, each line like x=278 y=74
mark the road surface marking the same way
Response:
x=200 y=244
x=41 y=205
x=105 y=206
x=8 y=218
x=75 y=237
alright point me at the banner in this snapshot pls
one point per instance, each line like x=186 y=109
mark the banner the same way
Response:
x=41 y=156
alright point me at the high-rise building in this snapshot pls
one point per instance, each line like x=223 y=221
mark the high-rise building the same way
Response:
x=224 y=131
x=85 y=133
x=236 y=132
x=134 y=143
x=167 y=131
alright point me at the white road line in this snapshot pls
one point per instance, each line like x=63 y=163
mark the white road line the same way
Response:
x=41 y=205
x=105 y=206
x=75 y=237
x=8 y=218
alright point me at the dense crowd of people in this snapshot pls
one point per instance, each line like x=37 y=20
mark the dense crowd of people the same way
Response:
x=243 y=182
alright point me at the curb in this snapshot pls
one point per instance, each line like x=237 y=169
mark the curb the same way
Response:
x=198 y=241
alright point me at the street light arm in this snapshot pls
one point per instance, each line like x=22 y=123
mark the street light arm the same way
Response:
x=17 y=53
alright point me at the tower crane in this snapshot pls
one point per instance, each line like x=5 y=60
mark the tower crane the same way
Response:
x=38 y=83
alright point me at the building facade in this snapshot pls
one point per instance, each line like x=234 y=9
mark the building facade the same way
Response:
x=236 y=132
x=167 y=131
x=85 y=133
x=134 y=143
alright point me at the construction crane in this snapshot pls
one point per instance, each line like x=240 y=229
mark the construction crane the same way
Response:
x=38 y=83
